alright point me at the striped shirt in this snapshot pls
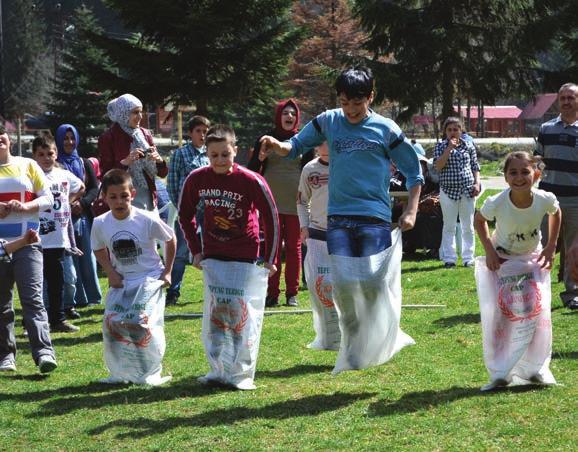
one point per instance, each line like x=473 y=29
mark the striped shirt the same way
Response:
x=21 y=179
x=233 y=206
x=558 y=146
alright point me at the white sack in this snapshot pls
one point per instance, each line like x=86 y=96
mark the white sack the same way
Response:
x=318 y=277
x=367 y=295
x=133 y=332
x=516 y=321
x=232 y=320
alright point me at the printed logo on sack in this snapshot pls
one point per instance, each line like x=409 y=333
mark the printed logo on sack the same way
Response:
x=519 y=298
x=324 y=292
x=137 y=334
x=228 y=314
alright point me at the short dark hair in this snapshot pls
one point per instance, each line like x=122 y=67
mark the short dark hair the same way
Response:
x=198 y=120
x=115 y=176
x=42 y=141
x=220 y=132
x=355 y=82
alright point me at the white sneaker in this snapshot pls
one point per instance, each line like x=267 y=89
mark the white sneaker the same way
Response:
x=7 y=365
x=46 y=364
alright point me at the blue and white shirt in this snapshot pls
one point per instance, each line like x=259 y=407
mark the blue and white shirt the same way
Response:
x=184 y=160
x=359 y=163
x=457 y=177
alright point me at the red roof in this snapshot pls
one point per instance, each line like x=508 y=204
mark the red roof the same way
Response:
x=494 y=112
x=539 y=106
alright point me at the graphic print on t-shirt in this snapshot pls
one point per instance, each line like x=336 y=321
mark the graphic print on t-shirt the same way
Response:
x=223 y=213
x=126 y=248
x=59 y=213
x=317 y=179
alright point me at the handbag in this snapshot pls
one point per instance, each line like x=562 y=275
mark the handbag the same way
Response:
x=99 y=205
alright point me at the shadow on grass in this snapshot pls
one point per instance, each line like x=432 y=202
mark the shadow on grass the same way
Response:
x=65 y=340
x=564 y=355
x=99 y=395
x=430 y=268
x=306 y=406
x=31 y=377
x=425 y=400
x=300 y=369
x=457 y=320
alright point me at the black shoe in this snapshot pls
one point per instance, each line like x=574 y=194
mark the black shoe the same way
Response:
x=71 y=313
x=171 y=299
x=449 y=265
x=271 y=302
x=572 y=304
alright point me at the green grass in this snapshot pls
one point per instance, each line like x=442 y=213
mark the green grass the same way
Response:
x=426 y=398
x=491 y=168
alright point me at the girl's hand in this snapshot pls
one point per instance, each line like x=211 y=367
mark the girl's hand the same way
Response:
x=132 y=157
x=153 y=154
x=476 y=189
x=547 y=257
x=492 y=260
x=115 y=280
x=271 y=267
x=197 y=258
x=166 y=278
x=304 y=232
x=453 y=143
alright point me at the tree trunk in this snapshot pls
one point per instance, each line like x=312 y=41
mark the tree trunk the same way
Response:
x=447 y=93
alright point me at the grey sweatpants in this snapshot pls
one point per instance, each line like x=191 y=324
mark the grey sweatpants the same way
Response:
x=25 y=270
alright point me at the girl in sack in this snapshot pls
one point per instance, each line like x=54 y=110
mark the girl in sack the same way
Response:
x=513 y=279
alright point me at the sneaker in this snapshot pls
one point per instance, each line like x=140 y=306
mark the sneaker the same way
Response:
x=71 y=313
x=64 y=327
x=449 y=265
x=572 y=304
x=469 y=264
x=292 y=301
x=46 y=364
x=7 y=365
x=271 y=302
x=171 y=299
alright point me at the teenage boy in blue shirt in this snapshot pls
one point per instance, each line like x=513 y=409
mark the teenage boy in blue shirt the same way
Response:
x=362 y=144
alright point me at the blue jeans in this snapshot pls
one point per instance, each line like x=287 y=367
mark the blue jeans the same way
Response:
x=181 y=261
x=356 y=236
x=87 y=285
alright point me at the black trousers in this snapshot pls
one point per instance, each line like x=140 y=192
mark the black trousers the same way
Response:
x=54 y=281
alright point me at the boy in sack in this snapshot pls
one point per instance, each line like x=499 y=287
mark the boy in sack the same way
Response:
x=513 y=280
x=235 y=200
x=124 y=242
x=312 y=210
x=54 y=229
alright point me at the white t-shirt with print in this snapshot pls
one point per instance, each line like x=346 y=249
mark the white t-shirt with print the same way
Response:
x=131 y=242
x=518 y=230
x=54 y=221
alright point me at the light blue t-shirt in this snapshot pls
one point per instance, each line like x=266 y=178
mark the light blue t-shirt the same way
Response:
x=359 y=161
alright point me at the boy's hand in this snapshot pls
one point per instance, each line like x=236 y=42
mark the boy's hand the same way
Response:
x=546 y=257
x=74 y=251
x=304 y=235
x=166 y=278
x=268 y=145
x=197 y=258
x=17 y=206
x=406 y=220
x=31 y=237
x=492 y=260
x=115 y=280
x=271 y=267
x=76 y=208
x=4 y=209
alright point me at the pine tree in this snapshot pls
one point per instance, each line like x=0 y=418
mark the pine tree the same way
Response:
x=26 y=68
x=212 y=52
x=75 y=99
x=455 y=49
x=333 y=39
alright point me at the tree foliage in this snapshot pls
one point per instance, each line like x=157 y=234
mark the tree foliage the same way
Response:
x=208 y=52
x=456 y=49
x=26 y=66
x=334 y=37
x=75 y=98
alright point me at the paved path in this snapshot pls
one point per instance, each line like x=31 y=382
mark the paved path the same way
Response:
x=493 y=182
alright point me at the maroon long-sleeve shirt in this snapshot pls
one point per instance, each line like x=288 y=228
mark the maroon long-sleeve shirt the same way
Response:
x=233 y=204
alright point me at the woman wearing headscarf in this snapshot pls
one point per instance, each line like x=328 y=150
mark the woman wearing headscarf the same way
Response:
x=128 y=146
x=84 y=266
x=283 y=175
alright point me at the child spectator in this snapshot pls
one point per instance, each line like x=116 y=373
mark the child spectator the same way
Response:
x=185 y=159
x=23 y=192
x=54 y=228
x=124 y=242
x=511 y=351
x=234 y=200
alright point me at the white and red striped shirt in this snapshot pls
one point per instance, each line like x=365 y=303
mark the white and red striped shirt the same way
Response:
x=232 y=206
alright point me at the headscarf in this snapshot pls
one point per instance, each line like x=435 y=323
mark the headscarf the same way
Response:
x=119 y=110
x=72 y=162
x=280 y=132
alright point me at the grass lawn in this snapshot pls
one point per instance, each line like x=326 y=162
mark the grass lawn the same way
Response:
x=426 y=398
